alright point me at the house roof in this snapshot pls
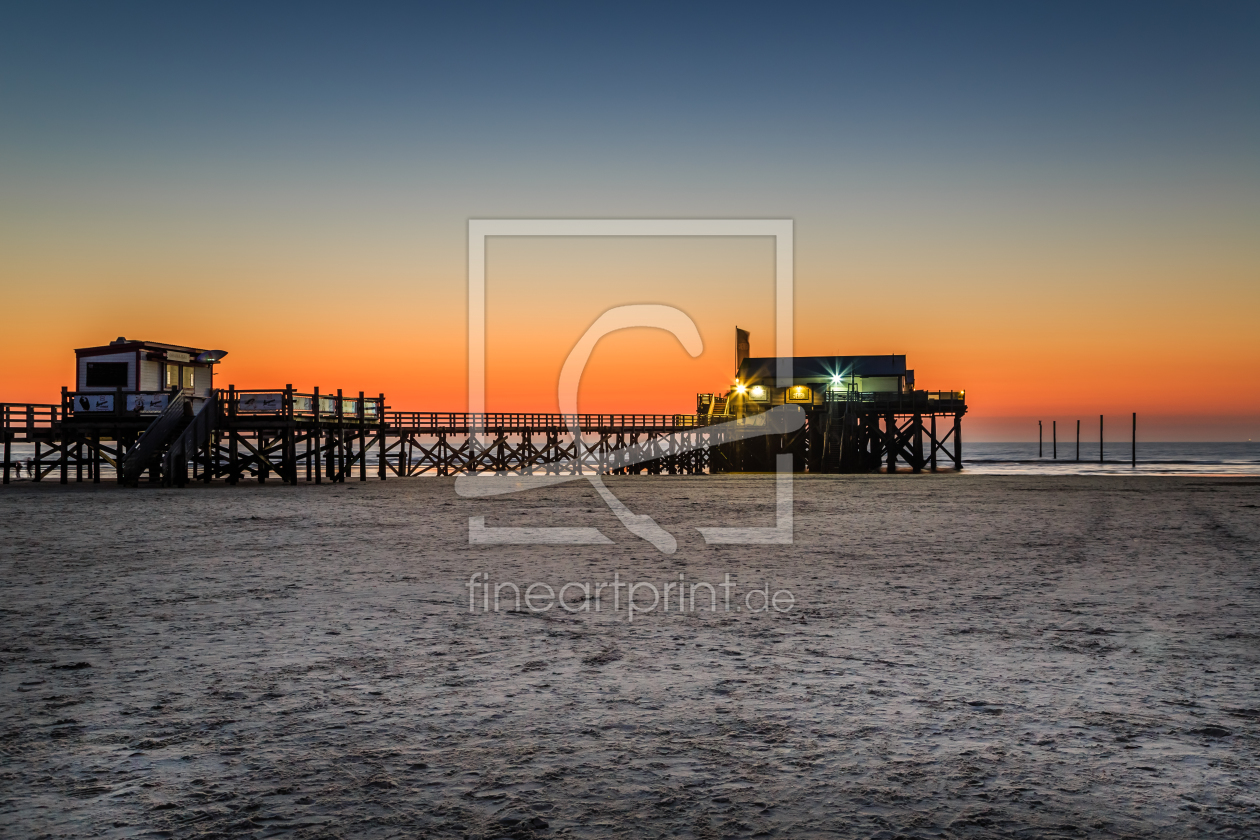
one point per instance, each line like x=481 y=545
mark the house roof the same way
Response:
x=123 y=345
x=823 y=367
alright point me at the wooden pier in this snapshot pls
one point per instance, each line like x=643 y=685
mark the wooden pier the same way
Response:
x=169 y=438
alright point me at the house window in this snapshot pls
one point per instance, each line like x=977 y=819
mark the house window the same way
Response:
x=171 y=372
x=107 y=374
x=800 y=393
x=188 y=377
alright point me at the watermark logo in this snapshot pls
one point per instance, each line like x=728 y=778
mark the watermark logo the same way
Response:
x=779 y=420
x=639 y=597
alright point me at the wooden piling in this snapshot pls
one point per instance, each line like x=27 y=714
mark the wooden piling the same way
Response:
x=289 y=461
x=380 y=437
x=933 y=459
x=1100 y=438
x=1054 y=438
x=918 y=443
x=1133 y=462
x=362 y=418
x=890 y=438
x=1040 y=454
x=958 y=441
x=341 y=439
x=319 y=459
x=1078 y=441
x=233 y=476
x=64 y=448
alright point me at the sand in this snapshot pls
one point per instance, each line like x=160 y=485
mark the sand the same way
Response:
x=967 y=656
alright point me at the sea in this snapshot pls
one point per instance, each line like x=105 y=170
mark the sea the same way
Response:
x=1208 y=459
x=1152 y=459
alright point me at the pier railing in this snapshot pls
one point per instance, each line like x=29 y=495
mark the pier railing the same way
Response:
x=29 y=417
x=290 y=404
x=490 y=421
x=898 y=402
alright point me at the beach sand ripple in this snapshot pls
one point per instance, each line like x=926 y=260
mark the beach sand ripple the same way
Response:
x=968 y=657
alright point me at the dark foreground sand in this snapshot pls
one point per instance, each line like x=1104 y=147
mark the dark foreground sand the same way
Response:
x=968 y=657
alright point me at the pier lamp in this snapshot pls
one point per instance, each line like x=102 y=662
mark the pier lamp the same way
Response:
x=739 y=388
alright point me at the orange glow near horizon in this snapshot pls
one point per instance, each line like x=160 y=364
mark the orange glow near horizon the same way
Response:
x=1111 y=341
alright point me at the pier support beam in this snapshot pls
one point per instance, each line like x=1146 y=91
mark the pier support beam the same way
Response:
x=958 y=441
x=918 y=443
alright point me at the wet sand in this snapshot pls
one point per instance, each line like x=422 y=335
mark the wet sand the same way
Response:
x=967 y=656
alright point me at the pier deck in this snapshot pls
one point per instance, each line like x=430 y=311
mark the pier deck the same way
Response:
x=260 y=434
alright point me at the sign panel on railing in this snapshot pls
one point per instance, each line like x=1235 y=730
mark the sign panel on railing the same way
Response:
x=270 y=403
x=147 y=402
x=93 y=402
x=328 y=406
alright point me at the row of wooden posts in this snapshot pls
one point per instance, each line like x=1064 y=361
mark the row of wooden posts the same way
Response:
x=1054 y=438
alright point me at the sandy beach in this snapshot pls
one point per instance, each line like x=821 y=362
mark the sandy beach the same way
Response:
x=965 y=656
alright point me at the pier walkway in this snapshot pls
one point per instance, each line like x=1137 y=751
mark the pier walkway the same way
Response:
x=260 y=434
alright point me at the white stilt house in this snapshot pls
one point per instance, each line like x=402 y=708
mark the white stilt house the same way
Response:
x=139 y=368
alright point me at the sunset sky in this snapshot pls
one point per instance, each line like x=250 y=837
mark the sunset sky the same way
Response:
x=1055 y=206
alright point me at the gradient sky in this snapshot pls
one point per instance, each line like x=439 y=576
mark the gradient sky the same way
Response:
x=1055 y=207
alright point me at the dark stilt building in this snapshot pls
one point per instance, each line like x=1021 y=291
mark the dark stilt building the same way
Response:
x=863 y=414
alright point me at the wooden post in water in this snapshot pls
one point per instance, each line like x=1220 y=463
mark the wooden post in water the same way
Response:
x=1040 y=454
x=1134 y=457
x=1078 y=440
x=1054 y=438
x=1100 y=438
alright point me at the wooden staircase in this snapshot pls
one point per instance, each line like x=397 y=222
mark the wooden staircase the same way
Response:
x=194 y=437
x=149 y=447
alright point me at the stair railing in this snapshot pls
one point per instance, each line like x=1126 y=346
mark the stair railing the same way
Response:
x=195 y=435
x=138 y=458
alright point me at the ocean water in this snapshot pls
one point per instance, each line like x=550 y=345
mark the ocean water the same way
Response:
x=1152 y=459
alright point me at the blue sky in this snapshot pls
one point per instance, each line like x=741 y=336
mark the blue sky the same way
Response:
x=1022 y=155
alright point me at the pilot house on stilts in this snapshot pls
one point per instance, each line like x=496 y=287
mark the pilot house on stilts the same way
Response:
x=863 y=414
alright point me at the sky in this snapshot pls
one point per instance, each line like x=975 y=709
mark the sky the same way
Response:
x=1053 y=206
